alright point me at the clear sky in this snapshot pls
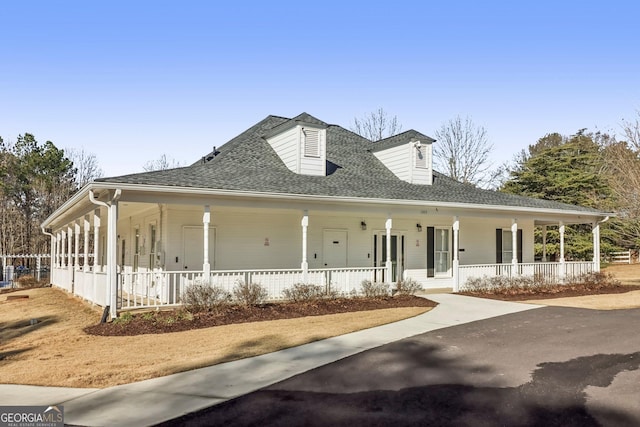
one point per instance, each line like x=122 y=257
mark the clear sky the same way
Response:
x=132 y=80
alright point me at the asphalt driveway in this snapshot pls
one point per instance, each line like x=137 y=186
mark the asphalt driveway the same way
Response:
x=552 y=366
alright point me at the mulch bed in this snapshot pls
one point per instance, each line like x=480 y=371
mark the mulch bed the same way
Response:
x=178 y=320
x=559 y=292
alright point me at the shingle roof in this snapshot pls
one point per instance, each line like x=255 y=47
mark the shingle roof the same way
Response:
x=401 y=138
x=248 y=163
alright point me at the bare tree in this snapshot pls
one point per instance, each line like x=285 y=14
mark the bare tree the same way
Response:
x=631 y=131
x=85 y=165
x=462 y=152
x=162 y=163
x=376 y=125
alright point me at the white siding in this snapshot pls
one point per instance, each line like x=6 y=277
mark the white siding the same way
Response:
x=290 y=147
x=402 y=161
x=286 y=145
x=478 y=239
x=126 y=231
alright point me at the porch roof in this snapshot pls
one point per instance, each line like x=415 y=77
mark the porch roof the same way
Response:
x=248 y=164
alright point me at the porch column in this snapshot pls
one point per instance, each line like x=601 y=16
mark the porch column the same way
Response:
x=562 y=266
x=206 y=220
x=96 y=246
x=305 y=263
x=388 y=264
x=57 y=257
x=514 y=245
x=544 y=243
x=63 y=249
x=112 y=247
x=86 y=227
x=69 y=247
x=76 y=253
x=456 y=262
x=596 y=246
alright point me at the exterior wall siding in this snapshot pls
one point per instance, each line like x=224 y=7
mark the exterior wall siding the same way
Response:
x=287 y=147
x=401 y=160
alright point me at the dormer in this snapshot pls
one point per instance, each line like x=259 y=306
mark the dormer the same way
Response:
x=408 y=155
x=301 y=143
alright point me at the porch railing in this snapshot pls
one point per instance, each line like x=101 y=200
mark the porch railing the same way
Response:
x=165 y=288
x=550 y=271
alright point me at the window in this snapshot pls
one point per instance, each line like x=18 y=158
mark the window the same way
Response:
x=421 y=157
x=507 y=246
x=311 y=142
x=152 y=245
x=504 y=245
x=136 y=249
x=438 y=251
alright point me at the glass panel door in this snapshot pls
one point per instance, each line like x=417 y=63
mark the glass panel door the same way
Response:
x=442 y=251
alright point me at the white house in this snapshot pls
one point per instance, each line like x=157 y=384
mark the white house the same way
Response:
x=297 y=200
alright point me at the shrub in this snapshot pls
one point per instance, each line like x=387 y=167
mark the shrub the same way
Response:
x=374 y=289
x=408 y=287
x=201 y=297
x=304 y=292
x=123 y=319
x=594 y=280
x=27 y=282
x=249 y=293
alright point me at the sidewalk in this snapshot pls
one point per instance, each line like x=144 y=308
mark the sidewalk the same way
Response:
x=156 y=400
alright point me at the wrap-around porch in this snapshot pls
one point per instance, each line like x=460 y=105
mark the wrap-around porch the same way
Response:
x=135 y=262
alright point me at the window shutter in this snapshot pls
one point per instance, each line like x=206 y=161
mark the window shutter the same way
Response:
x=311 y=143
x=431 y=254
x=498 y=245
x=519 y=245
x=421 y=158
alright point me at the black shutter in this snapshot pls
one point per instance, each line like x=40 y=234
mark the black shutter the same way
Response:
x=520 y=245
x=498 y=245
x=431 y=253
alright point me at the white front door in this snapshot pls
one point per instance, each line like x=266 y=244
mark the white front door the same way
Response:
x=192 y=242
x=334 y=249
x=396 y=252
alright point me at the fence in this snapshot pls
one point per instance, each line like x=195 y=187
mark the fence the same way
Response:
x=622 y=257
x=13 y=267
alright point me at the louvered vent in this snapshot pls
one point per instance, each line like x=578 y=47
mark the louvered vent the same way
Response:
x=311 y=143
x=421 y=157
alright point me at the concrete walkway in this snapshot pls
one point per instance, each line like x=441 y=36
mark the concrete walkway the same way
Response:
x=160 y=399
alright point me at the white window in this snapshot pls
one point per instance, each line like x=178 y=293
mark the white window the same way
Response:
x=421 y=157
x=507 y=246
x=311 y=142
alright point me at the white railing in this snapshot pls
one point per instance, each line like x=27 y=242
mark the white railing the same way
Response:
x=553 y=272
x=165 y=288
x=63 y=277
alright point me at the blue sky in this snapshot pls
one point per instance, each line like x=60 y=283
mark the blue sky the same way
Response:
x=130 y=81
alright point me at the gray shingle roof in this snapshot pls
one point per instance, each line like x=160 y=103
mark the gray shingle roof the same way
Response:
x=401 y=138
x=248 y=163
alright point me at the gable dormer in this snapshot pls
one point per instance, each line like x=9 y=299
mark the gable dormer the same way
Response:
x=408 y=155
x=301 y=143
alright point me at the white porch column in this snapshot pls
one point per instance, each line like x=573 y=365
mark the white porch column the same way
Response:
x=86 y=227
x=63 y=248
x=389 y=264
x=96 y=246
x=305 y=264
x=596 y=246
x=57 y=257
x=206 y=220
x=514 y=245
x=456 y=250
x=112 y=267
x=544 y=243
x=96 y=241
x=76 y=244
x=562 y=265
x=69 y=247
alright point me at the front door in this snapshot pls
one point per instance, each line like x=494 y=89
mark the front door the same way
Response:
x=396 y=252
x=334 y=249
x=192 y=242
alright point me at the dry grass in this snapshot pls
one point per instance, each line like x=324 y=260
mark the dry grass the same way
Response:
x=627 y=274
x=56 y=352
x=595 y=302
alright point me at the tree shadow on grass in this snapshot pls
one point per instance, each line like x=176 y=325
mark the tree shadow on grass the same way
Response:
x=555 y=396
x=12 y=330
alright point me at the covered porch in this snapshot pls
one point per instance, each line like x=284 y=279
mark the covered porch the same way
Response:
x=132 y=249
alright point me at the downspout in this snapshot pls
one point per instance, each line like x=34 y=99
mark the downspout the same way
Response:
x=112 y=273
x=52 y=250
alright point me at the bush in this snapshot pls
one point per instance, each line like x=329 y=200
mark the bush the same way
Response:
x=202 y=297
x=305 y=292
x=123 y=319
x=27 y=282
x=374 y=289
x=249 y=294
x=408 y=287
x=594 y=280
